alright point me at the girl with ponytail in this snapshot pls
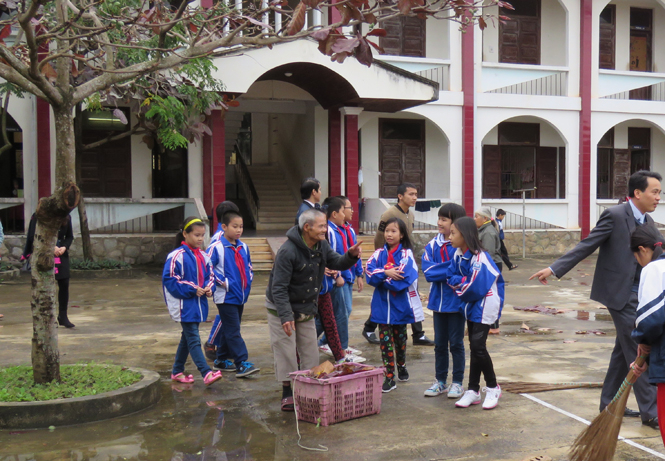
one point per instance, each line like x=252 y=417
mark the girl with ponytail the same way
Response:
x=646 y=242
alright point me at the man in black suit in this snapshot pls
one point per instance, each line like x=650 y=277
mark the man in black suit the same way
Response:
x=310 y=192
x=616 y=281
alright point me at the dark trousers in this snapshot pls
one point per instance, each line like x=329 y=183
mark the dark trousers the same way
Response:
x=232 y=345
x=449 y=328
x=624 y=353
x=190 y=344
x=481 y=362
x=63 y=296
x=416 y=328
x=504 y=255
x=325 y=322
x=393 y=347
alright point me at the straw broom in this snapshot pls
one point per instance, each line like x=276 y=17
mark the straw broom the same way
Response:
x=523 y=387
x=598 y=442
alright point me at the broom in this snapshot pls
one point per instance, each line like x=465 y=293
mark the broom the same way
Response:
x=598 y=442
x=522 y=387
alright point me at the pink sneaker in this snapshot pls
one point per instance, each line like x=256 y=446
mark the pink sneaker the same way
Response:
x=211 y=377
x=182 y=378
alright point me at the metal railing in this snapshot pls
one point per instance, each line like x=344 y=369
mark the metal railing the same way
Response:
x=246 y=183
x=552 y=85
x=515 y=221
x=653 y=92
x=371 y=227
x=439 y=75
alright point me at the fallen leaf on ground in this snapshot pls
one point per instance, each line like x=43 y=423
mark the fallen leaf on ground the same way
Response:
x=525 y=326
x=484 y=435
x=541 y=309
x=581 y=332
x=568 y=341
x=544 y=329
x=560 y=331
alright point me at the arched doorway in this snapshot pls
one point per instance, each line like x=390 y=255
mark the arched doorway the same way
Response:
x=11 y=177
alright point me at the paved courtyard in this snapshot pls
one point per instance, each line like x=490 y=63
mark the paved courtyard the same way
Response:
x=126 y=322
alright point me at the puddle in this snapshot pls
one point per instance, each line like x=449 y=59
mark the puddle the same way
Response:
x=588 y=315
x=189 y=423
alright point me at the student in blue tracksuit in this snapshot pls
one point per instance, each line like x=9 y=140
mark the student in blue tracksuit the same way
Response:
x=393 y=271
x=215 y=336
x=446 y=306
x=187 y=281
x=479 y=284
x=356 y=271
x=232 y=267
x=646 y=242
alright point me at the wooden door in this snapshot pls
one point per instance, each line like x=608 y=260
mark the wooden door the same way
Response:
x=546 y=172
x=519 y=37
x=405 y=37
x=607 y=42
x=621 y=173
x=491 y=172
x=106 y=171
x=401 y=155
x=169 y=180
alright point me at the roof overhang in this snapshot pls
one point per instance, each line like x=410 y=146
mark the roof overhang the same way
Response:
x=379 y=88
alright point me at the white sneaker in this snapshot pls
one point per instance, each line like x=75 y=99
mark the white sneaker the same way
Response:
x=354 y=351
x=325 y=349
x=455 y=391
x=469 y=398
x=435 y=389
x=492 y=395
x=355 y=358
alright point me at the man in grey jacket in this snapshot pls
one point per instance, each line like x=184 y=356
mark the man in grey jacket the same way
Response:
x=293 y=292
x=616 y=281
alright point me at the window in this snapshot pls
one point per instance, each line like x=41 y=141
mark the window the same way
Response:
x=607 y=42
x=640 y=48
x=401 y=155
x=520 y=162
x=616 y=165
x=519 y=37
x=406 y=36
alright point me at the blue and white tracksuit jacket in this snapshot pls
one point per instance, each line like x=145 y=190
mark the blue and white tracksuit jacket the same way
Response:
x=357 y=270
x=179 y=284
x=437 y=258
x=217 y=235
x=394 y=302
x=337 y=244
x=650 y=322
x=227 y=273
x=479 y=285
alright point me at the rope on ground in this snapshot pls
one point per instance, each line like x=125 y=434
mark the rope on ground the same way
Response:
x=295 y=410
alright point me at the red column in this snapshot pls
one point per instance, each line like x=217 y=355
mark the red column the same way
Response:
x=207 y=176
x=351 y=158
x=469 y=89
x=43 y=148
x=334 y=152
x=586 y=66
x=218 y=161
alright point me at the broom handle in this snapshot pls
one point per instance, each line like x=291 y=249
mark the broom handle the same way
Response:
x=629 y=380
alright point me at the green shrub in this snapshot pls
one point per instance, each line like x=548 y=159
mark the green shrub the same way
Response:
x=5 y=266
x=17 y=385
x=102 y=264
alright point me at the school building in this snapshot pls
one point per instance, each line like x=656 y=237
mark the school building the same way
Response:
x=565 y=100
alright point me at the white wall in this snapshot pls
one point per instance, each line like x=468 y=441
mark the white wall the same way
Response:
x=142 y=169
x=24 y=112
x=194 y=169
x=437 y=43
x=321 y=148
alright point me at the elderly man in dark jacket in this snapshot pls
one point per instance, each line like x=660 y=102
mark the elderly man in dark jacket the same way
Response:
x=292 y=295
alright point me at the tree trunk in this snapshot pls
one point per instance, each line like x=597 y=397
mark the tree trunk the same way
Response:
x=86 y=243
x=51 y=214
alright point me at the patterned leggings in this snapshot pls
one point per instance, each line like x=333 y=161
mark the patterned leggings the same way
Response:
x=393 y=347
x=330 y=326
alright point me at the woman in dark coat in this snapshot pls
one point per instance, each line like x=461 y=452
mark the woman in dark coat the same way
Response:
x=65 y=239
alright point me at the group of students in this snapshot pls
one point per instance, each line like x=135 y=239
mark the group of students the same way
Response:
x=466 y=289
x=222 y=272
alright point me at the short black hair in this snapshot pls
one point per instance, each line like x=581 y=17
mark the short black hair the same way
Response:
x=308 y=186
x=225 y=207
x=452 y=211
x=647 y=236
x=333 y=204
x=401 y=189
x=500 y=212
x=640 y=180
x=401 y=225
x=343 y=197
x=230 y=216
x=467 y=227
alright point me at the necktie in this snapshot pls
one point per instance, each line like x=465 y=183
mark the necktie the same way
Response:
x=317 y=206
x=638 y=222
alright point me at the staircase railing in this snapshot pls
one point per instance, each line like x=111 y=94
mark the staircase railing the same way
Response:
x=247 y=185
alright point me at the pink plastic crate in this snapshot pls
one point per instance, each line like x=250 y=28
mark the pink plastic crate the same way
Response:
x=334 y=400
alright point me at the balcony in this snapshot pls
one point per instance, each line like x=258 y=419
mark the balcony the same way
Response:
x=437 y=70
x=613 y=84
x=524 y=79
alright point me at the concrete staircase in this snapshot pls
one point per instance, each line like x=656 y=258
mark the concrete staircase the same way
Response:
x=232 y=123
x=277 y=206
x=367 y=247
x=259 y=250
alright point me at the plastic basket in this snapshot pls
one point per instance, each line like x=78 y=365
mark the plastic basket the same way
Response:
x=333 y=400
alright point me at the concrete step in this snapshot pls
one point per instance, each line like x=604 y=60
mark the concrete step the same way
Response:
x=261 y=256
x=279 y=219
x=262 y=267
x=273 y=226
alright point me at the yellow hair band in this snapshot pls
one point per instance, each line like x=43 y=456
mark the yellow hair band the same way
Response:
x=190 y=223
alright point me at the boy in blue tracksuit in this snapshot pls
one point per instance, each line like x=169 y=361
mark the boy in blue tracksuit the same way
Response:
x=232 y=267
x=479 y=285
x=446 y=306
x=187 y=280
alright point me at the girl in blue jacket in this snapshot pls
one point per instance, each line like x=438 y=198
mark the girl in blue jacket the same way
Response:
x=446 y=306
x=646 y=242
x=479 y=285
x=187 y=281
x=393 y=271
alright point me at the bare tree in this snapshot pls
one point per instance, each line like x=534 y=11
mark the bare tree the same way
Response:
x=95 y=52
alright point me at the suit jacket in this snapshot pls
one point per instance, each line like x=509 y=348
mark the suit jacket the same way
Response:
x=304 y=206
x=393 y=212
x=616 y=266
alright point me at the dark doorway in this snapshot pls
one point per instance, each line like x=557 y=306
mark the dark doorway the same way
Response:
x=401 y=155
x=519 y=37
x=11 y=177
x=169 y=180
x=616 y=165
x=607 y=42
x=641 y=21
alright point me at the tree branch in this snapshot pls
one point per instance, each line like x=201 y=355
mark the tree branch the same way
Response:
x=135 y=130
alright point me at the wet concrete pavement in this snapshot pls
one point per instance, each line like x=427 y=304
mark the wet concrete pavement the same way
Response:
x=126 y=322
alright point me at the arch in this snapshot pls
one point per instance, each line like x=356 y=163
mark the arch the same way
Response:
x=600 y=5
x=617 y=119
x=521 y=118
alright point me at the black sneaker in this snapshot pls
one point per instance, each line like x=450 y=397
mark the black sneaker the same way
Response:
x=246 y=369
x=371 y=338
x=210 y=351
x=388 y=385
x=402 y=373
x=652 y=423
x=423 y=341
x=224 y=365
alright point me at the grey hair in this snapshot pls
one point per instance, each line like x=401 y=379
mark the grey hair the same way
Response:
x=308 y=217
